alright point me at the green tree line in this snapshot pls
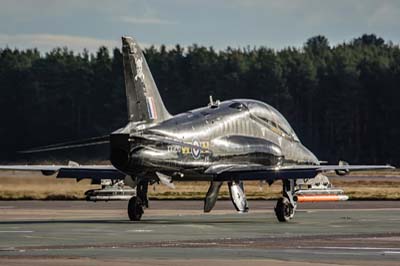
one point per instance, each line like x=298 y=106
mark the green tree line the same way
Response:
x=342 y=101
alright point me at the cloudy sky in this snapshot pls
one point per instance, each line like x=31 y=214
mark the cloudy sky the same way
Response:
x=80 y=24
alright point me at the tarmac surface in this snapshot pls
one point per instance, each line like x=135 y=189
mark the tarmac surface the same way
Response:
x=178 y=233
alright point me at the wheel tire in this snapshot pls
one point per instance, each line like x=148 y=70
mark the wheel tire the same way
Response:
x=284 y=210
x=135 y=210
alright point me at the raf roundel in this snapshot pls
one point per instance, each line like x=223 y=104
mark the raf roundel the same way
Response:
x=196 y=151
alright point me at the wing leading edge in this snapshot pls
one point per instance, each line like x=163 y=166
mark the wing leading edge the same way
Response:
x=260 y=172
x=94 y=172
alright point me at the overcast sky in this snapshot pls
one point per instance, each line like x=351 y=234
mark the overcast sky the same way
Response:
x=219 y=23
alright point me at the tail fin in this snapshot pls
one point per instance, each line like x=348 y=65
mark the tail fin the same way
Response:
x=144 y=101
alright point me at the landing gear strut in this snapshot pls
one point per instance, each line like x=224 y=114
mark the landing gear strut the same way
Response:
x=137 y=203
x=286 y=206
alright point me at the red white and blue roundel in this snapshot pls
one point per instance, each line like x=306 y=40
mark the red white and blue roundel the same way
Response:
x=196 y=151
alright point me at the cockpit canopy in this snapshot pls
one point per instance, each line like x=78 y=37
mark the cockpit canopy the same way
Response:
x=268 y=116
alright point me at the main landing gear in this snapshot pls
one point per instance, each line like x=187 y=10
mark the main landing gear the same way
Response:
x=137 y=203
x=286 y=206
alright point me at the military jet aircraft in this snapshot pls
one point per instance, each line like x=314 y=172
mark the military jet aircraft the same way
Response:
x=231 y=141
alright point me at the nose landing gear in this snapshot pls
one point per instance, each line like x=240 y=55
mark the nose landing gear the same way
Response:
x=286 y=206
x=284 y=211
x=135 y=209
x=137 y=203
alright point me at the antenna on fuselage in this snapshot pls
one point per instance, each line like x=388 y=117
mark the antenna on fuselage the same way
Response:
x=213 y=104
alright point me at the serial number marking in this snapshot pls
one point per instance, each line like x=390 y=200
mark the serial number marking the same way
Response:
x=174 y=148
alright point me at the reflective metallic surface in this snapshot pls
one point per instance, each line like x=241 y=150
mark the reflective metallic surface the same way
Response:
x=224 y=135
x=238 y=197
x=212 y=195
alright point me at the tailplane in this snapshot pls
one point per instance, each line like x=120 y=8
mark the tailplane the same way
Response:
x=145 y=105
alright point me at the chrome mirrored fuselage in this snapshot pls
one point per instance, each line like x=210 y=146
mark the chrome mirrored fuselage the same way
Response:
x=231 y=132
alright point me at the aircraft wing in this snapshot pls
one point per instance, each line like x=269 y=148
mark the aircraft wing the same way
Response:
x=259 y=172
x=94 y=172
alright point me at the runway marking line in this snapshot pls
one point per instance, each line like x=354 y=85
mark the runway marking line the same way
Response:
x=48 y=237
x=352 y=248
x=391 y=252
x=16 y=231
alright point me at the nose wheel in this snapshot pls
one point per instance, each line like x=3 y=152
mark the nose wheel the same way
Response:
x=284 y=210
x=137 y=203
x=135 y=209
x=286 y=206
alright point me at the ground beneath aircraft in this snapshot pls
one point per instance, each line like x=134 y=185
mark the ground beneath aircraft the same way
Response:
x=85 y=233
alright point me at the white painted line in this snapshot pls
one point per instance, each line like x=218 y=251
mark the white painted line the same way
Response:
x=392 y=252
x=7 y=249
x=16 y=231
x=140 y=231
x=352 y=248
x=346 y=253
x=374 y=253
